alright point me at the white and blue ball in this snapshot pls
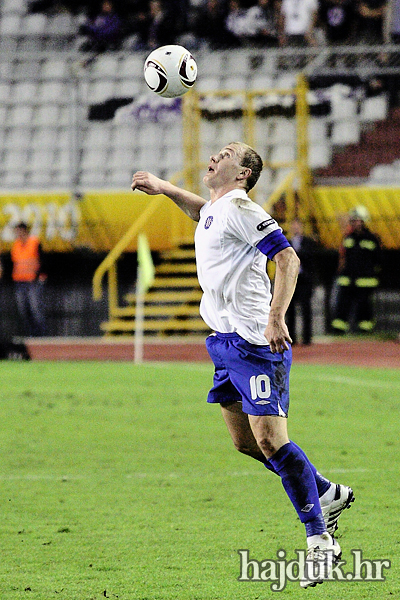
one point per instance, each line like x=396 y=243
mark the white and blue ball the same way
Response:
x=170 y=71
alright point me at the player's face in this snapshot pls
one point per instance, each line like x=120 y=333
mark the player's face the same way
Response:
x=223 y=168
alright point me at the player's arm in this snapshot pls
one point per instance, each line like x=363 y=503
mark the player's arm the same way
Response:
x=187 y=201
x=287 y=269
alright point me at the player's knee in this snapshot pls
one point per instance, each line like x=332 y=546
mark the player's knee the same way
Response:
x=251 y=450
x=268 y=446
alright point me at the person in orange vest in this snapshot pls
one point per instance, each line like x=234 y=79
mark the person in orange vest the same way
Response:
x=26 y=256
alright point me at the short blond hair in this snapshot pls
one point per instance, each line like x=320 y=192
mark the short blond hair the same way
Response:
x=249 y=159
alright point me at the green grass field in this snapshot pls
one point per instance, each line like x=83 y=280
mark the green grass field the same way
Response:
x=120 y=481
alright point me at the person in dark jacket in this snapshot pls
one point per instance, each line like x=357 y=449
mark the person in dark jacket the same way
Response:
x=305 y=248
x=103 y=31
x=359 y=265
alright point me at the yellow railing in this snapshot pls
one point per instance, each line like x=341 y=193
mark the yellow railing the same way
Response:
x=192 y=141
x=180 y=232
x=109 y=264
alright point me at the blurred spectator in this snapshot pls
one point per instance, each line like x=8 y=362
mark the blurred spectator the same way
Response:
x=162 y=25
x=359 y=263
x=26 y=256
x=73 y=6
x=338 y=19
x=305 y=248
x=297 y=22
x=371 y=20
x=103 y=31
x=210 y=26
x=238 y=22
x=264 y=17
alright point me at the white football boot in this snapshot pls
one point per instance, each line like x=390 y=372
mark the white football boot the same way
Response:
x=319 y=561
x=334 y=504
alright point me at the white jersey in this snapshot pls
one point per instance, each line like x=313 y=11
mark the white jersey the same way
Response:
x=298 y=15
x=231 y=270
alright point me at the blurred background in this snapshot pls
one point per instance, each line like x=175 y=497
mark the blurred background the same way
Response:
x=313 y=85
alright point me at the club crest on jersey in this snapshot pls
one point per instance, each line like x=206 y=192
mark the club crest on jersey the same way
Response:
x=265 y=224
x=208 y=222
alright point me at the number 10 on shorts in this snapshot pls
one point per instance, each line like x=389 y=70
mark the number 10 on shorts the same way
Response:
x=260 y=386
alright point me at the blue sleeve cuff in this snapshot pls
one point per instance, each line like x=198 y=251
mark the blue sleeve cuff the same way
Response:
x=273 y=243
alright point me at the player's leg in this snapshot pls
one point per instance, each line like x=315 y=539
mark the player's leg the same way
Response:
x=237 y=423
x=298 y=480
x=290 y=463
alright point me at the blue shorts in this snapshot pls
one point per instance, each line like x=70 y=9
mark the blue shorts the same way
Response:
x=249 y=374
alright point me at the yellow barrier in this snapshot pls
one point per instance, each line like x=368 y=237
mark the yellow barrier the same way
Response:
x=331 y=205
x=96 y=221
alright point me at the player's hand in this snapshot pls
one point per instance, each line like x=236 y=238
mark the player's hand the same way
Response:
x=147 y=182
x=277 y=334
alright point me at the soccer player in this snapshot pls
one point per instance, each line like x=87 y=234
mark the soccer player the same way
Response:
x=250 y=346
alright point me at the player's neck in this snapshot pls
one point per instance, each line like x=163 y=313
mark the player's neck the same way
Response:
x=217 y=193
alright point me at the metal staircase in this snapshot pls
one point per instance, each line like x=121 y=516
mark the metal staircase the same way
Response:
x=171 y=305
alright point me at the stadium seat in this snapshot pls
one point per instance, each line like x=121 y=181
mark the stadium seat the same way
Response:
x=101 y=90
x=93 y=178
x=229 y=130
x=130 y=66
x=54 y=68
x=18 y=138
x=42 y=160
x=319 y=155
x=346 y=132
x=93 y=159
x=120 y=178
x=61 y=178
x=44 y=137
x=343 y=108
x=258 y=81
x=13 y=6
x=39 y=178
x=282 y=131
x=97 y=136
x=129 y=88
x=10 y=24
x=105 y=66
x=25 y=93
x=235 y=82
x=374 y=109
x=213 y=64
x=61 y=24
x=20 y=115
x=207 y=83
x=317 y=130
x=52 y=91
x=4 y=93
x=13 y=179
x=283 y=153
x=15 y=159
x=34 y=24
x=47 y=114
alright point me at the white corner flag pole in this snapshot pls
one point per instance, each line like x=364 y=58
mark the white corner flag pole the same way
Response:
x=145 y=278
x=139 y=321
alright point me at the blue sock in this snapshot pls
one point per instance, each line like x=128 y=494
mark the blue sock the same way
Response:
x=323 y=484
x=298 y=479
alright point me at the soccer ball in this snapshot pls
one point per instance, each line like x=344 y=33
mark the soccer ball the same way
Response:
x=170 y=71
